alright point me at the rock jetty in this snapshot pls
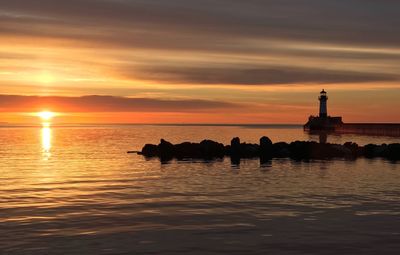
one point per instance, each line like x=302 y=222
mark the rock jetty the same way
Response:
x=267 y=150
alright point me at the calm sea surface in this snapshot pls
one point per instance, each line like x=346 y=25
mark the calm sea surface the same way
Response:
x=75 y=190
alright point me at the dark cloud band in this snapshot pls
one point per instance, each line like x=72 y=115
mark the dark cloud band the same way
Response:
x=256 y=76
x=345 y=21
x=200 y=27
x=15 y=103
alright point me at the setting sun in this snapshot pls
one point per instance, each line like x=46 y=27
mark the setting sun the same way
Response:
x=46 y=115
x=45 y=77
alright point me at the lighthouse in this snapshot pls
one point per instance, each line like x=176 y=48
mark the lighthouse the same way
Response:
x=323 y=122
x=323 y=108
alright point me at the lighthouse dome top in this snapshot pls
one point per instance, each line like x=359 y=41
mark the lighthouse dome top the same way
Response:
x=323 y=91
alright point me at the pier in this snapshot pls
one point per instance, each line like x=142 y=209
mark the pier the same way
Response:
x=385 y=129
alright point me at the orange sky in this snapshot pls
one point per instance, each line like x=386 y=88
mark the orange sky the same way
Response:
x=254 y=62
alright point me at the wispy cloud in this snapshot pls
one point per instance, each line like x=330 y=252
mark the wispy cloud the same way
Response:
x=257 y=76
x=346 y=21
x=287 y=35
x=16 y=103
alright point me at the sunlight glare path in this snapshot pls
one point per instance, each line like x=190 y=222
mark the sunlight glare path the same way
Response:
x=46 y=140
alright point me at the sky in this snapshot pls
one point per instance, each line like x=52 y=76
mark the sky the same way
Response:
x=199 y=61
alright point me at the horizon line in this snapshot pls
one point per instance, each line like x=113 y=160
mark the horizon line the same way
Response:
x=8 y=124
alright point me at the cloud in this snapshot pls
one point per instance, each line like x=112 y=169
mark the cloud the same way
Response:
x=256 y=76
x=342 y=21
x=16 y=103
x=285 y=34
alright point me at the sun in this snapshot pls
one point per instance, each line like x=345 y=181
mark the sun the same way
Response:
x=46 y=77
x=46 y=115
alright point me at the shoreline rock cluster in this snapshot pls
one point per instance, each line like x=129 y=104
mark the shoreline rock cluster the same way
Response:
x=266 y=150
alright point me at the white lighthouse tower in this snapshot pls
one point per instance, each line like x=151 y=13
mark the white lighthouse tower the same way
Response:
x=323 y=122
x=323 y=107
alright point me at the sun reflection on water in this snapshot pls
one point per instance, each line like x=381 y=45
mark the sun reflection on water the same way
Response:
x=46 y=140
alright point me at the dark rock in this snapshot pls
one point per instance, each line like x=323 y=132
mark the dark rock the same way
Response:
x=393 y=151
x=265 y=142
x=165 y=150
x=371 y=150
x=235 y=147
x=248 y=150
x=211 y=149
x=227 y=149
x=150 y=150
x=266 y=148
x=207 y=149
x=354 y=149
x=187 y=150
x=338 y=151
x=235 y=142
x=301 y=150
x=280 y=150
x=314 y=150
x=382 y=150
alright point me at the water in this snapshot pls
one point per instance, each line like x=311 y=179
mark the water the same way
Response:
x=75 y=190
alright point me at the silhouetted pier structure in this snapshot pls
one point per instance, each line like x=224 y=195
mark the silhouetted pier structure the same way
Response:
x=326 y=123
x=386 y=129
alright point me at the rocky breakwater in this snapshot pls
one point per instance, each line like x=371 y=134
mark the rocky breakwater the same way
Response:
x=267 y=150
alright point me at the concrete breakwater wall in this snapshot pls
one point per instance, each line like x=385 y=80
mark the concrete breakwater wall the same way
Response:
x=369 y=129
x=266 y=150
